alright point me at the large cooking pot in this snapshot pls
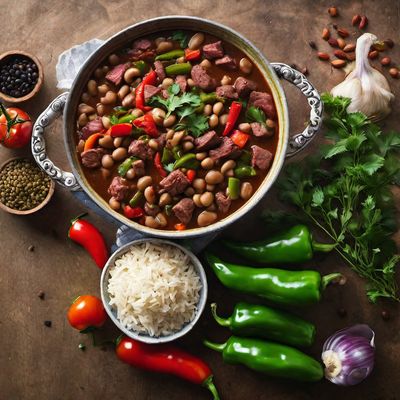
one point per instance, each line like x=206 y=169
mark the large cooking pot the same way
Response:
x=68 y=102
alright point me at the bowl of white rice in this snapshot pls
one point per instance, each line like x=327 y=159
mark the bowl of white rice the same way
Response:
x=153 y=290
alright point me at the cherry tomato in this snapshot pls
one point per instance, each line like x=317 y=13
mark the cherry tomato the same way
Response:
x=15 y=127
x=86 y=312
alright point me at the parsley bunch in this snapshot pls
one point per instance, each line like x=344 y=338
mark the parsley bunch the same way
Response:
x=346 y=191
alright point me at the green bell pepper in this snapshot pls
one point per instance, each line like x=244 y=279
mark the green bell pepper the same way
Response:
x=141 y=66
x=178 y=69
x=126 y=165
x=296 y=288
x=293 y=246
x=233 y=188
x=170 y=55
x=187 y=161
x=133 y=202
x=244 y=171
x=265 y=322
x=269 y=358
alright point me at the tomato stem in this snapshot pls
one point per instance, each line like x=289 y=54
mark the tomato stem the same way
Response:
x=10 y=121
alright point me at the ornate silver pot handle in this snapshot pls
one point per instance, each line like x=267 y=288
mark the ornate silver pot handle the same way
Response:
x=38 y=144
x=301 y=140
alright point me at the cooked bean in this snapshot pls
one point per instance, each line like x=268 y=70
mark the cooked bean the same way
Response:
x=85 y=108
x=114 y=204
x=199 y=185
x=207 y=199
x=159 y=40
x=210 y=188
x=130 y=74
x=92 y=117
x=92 y=87
x=213 y=177
x=118 y=141
x=270 y=124
x=207 y=109
x=81 y=146
x=105 y=173
x=190 y=82
x=188 y=138
x=113 y=59
x=245 y=127
x=206 y=218
x=158 y=116
x=170 y=134
x=128 y=100
x=137 y=112
x=106 y=142
x=107 y=161
x=85 y=97
x=245 y=65
x=98 y=73
x=120 y=153
x=180 y=60
x=206 y=64
x=189 y=192
x=106 y=121
x=213 y=121
x=143 y=182
x=164 y=47
x=165 y=199
x=123 y=91
x=218 y=107
x=177 y=138
x=201 y=156
x=110 y=98
x=226 y=80
x=223 y=119
x=153 y=144
x=169 y=121
x=151 y=222
x=196 y=41
x=83 y=120
x=130 y=174
x=230 y=173
x=246 y=190
x=187 y=146
x=161 y=219
x=103 y=89
x=227 y=165
x=150 y=194
x=105 y=69
x=167 y=82
x=101 y=109
x=196 y=200
x=207 y=163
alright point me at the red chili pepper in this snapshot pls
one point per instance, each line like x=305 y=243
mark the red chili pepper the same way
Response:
x=147 y=124
x=234 y=112
x=124 y=129
x=166 y=359
x=180 y=227
x=149 y=79
x=192 y=55
x=239 y=138
x=88 y=236
x=191 y=174
x=157 y=163
x=133 y=212
x=91 y=141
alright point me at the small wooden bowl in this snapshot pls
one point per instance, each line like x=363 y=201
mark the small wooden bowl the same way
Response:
x=39 y=206
x=39 y=83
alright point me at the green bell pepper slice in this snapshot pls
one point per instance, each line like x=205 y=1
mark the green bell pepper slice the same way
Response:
x=134 y=201
x=187 y=161
x=233 y=188
x=244 y=171
x=141 y=66
x=126 y=165
x=178 y=69
x=170 y=55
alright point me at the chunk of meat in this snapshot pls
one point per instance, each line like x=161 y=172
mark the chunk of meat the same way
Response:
x=264 y=101
x=162 y=140
x=136 y=54
x=260 y=130
x=225 y=149
x=140 y=149
x=175 y=183
x=92 y=127
x=261 y=158
x=223 y=202
x=138 y=167
x=244 y=86
x=213 y=50
x=118 y=188
x=151 y=209
x=116 y=74
x=227 y=91
x=207 y=141
x=182 y=82
x=150 y=91
x=202 y=79
x=183 y=210
x=92 y=158
x=160 y=71
x=142 y=44
x=227 y=62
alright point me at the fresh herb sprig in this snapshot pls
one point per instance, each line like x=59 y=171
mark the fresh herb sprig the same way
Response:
x=346 y=191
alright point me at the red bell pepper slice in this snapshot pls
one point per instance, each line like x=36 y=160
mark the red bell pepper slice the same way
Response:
x=233 y=115
x=124 y=129
x=239 y=138
x=147 y=124
x=191 y=174
x=180 y=227
x=157 y=163
x=133 y=212
x=91 y=141
x=192 y=55
x=149 y=79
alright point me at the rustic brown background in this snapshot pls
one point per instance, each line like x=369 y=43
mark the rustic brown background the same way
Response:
x=44 y=363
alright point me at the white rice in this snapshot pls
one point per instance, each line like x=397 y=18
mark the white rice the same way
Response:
x=155 y=289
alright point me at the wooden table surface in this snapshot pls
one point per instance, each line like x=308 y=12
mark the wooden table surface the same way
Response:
x=38 y=362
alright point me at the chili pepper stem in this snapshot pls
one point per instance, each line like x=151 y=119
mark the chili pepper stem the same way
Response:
x=322 y=247
x=214 y=346
x=327 y=279
x=209 y=384
x=219 y=320
x=80 y=216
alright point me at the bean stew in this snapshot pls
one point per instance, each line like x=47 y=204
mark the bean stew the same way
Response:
x=177 y=131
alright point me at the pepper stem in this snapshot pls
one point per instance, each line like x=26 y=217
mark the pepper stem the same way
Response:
x=214 y=346
x=220 y=321
x=328 y=279
x=209 y=384
x=323 y=247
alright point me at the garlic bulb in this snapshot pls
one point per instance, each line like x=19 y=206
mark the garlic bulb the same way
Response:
x=367 y=87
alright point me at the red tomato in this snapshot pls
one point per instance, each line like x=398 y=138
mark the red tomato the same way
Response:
x=14 y=132
x=86 y=311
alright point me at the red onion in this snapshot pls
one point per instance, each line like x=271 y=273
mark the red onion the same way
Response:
x=349 y=354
